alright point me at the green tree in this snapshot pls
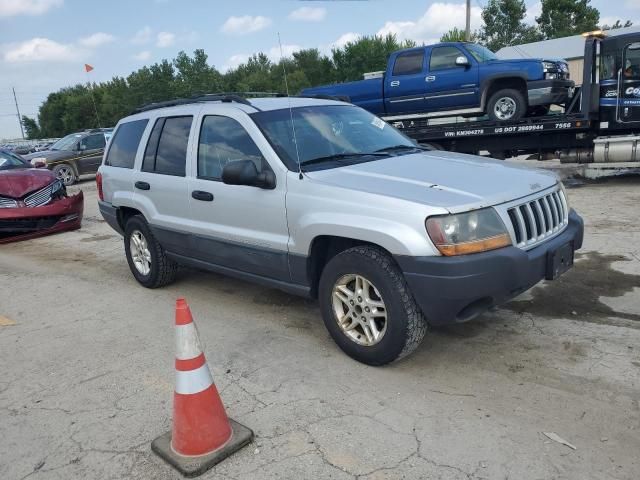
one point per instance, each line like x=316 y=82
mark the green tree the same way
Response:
x=367 y=54
x=503 y=25
x=616 y=25
x=31 y=128
x=563 y=18
x=458 y=35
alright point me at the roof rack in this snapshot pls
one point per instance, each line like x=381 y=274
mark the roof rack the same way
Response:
x=320 y=96
x=211 y=97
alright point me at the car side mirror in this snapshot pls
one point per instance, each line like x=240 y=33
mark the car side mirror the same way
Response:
x=462 y=61
x=244 y=172
x=82 y=146
x=40 y=164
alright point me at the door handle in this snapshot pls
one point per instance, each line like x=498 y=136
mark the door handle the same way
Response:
x=203 y=196
x=430 y=78
x=395 y=83
x=143 y=186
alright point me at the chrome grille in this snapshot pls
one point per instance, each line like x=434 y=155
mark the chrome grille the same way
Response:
x=538 y=219
x=8 y=203
x=41 y=197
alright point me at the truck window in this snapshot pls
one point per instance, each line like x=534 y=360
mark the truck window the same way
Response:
x=444 y=57
x=631 y=67
x=607 y=66
x=123 y=147
x=224 y=140
x=166 y=151
x=409 y=63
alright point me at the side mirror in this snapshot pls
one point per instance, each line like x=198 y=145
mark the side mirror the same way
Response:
x=82 y=146
x=462 y=61
x=244 y=172
x=40 y=164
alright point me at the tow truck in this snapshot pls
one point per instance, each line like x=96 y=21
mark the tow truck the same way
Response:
x=599 y=127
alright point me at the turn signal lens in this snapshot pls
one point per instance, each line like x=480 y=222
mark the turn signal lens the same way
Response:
x=470 y=232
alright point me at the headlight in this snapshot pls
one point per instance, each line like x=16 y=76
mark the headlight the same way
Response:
x=549 y=67
x=55 y=186
x=470 y=232
x=38 y=159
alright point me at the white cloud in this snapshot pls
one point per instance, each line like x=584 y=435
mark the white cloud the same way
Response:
x=96 y=40
x=142 y=36
x=438 y=19
x=235 y=61
x=345 y=38
x=245 y=25
x=308 y=14
x=165 y=39
x=41 y=50
x=143 y=55
x=9 y=8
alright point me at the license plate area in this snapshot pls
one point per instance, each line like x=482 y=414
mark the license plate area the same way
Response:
x=559 y=261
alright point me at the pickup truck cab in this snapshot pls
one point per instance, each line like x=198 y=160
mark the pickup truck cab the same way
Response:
x=323 y=199
x=457 y=78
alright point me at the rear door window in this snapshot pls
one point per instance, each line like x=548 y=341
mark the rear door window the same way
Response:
x=166 y=151
x=124 y=145
x=93 y=142
x=409 y=63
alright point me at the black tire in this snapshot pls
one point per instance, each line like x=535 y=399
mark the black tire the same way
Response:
x=163 y=270
x=405 y=324
x=66 y=173
x=508 y=93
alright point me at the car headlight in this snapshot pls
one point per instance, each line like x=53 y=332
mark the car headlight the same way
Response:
x=38 y=159
x=55 y=186
x=470 y=232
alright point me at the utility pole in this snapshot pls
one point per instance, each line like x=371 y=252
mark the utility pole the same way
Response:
x=15 y=99
x=467 y=31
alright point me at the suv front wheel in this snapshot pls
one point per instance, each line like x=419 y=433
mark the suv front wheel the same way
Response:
x=368 y=308
x=147 y=259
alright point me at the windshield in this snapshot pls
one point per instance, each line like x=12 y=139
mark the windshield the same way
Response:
x=480 y=53
x=9 y=161
x=333 y=132
x=66 y=143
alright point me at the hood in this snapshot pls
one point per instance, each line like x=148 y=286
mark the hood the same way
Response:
x=531 y=60
x=18 y=183
x=52 y=155
x=453 y=181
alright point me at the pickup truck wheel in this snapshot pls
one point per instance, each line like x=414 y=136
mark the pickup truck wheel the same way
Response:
x=146 y=258
x=368 y=308
x=506 y=105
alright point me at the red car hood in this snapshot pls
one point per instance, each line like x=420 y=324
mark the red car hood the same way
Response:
x=18 y=183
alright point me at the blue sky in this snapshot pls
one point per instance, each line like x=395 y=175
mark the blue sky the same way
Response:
x=44 y=43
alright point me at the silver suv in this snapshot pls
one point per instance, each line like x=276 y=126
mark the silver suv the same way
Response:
x=321 y=198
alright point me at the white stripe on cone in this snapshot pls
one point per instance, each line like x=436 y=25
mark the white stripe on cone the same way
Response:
x=193 y=381
x=187 y=342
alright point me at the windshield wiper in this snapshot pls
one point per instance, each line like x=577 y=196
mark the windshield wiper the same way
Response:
x=342 y=156
x=395 y=148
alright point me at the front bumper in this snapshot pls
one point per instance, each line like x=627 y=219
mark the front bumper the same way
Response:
x=31 y=222
x=457 y=289
x=547 y=92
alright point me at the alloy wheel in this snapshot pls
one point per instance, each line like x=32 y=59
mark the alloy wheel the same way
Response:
x=359 y=309
x=140 y=253
x=505 y=108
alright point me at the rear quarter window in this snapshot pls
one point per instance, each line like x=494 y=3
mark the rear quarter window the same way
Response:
x=166 y=151
x=124 y=144
x=409 y=63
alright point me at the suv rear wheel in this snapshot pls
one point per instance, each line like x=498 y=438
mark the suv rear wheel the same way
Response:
x=66 y=173
x=368 y=308
x=146 y=258
x=506 y=105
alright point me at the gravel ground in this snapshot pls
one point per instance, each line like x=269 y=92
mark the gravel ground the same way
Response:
x=86 y=362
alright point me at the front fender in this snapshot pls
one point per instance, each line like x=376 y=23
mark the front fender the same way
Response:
x=395 y=237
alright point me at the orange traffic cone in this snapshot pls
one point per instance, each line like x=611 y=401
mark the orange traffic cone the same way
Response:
x=202 y=434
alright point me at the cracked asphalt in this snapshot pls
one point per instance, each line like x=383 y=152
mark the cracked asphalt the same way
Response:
x=86 y=370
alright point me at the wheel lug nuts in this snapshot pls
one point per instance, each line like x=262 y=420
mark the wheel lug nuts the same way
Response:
x=366 y=309
x=360 y=299
x=351 y=302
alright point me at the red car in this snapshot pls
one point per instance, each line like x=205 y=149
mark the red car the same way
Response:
x=33 y=202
